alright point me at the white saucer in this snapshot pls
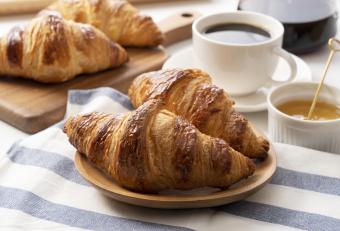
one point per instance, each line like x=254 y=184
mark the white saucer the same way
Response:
x=249 y=103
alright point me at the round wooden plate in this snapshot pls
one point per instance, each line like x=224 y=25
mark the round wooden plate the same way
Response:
x=238 y=191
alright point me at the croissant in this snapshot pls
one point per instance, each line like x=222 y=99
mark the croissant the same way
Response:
x=190 y=93
x=51 y=49
x=152 y=149
x=118 y=19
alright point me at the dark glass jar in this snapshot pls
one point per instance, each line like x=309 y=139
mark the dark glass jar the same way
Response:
x=308 y=23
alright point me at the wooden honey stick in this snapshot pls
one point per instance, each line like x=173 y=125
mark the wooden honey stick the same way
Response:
x=334 y=46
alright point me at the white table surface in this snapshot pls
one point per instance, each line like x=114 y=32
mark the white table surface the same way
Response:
x=316 y=60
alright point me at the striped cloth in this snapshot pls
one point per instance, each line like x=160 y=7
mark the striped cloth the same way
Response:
x=41 y=189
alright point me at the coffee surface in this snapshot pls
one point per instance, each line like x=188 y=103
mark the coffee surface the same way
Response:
x=300 y=109
x=236 y=33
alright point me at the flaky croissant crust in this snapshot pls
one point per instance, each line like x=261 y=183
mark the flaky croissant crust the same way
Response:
x=118 y=19
x=152 y=149
x=191 y=94
x=51 y=49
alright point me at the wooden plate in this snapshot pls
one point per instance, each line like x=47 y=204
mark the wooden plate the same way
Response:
x=239 y=191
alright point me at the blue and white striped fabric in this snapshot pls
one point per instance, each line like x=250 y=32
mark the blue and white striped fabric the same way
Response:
x=41 y=189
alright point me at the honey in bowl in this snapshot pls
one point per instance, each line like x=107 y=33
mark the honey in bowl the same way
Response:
x=300 y=109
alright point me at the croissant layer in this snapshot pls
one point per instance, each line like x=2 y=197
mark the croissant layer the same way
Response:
x=191 y=94
x=51 y=49
x=118 y=19
x=152 y=149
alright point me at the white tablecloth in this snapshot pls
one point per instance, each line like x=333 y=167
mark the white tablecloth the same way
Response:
x=40 y=189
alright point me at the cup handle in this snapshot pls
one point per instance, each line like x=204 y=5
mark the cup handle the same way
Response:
x=291 y=62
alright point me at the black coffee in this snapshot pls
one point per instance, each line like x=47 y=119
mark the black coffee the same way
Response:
x=236 y=33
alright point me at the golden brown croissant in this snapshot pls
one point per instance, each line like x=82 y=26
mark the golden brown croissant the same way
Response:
x=151 y=149
x=118 y=19
x=51 y=49
x=190 y=93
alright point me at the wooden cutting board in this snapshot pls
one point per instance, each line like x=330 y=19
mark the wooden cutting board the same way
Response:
x=31 y=106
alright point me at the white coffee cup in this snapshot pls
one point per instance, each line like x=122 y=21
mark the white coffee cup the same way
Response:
x=241 y=68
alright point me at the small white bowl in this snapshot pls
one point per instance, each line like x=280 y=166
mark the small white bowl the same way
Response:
x=320 y=135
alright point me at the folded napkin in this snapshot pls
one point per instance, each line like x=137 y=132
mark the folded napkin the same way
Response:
x=41 y=189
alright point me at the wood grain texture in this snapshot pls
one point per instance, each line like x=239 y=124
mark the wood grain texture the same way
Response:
x=31 y=106
x=264 y=172
x=176 y=28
